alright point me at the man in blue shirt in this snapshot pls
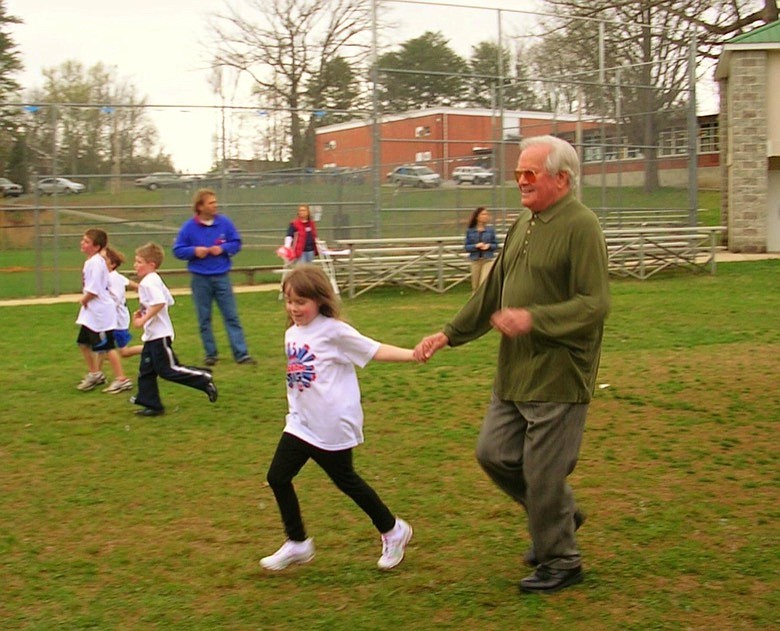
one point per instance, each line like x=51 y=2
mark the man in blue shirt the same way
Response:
x=208 y=242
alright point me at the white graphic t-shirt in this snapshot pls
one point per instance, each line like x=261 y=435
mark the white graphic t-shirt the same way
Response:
x=152 y=291
x=323 y=393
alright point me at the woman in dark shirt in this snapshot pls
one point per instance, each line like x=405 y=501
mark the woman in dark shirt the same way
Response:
x=481 y=244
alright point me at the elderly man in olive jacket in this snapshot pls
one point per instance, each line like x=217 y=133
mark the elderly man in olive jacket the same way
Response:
x=548 y=296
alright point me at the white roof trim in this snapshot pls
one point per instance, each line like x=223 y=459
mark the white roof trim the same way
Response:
x=455 y=111
x=724 y=62
x=752 y=46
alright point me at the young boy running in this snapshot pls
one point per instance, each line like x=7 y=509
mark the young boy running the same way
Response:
x=97 y=315
x=157 y=356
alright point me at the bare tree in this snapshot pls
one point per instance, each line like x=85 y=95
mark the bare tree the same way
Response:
x=720 y=20
x=713 y=21
x=99 y=124
x=290 y=49
x=643 y=74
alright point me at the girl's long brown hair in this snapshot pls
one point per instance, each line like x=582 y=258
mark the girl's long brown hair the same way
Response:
x=309 y=281
x=474 y=215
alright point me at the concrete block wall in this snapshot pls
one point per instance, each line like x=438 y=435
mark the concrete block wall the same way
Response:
x=746 y=112
x=723 y=130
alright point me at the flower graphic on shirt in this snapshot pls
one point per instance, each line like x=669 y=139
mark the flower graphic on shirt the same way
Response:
x=300 y=367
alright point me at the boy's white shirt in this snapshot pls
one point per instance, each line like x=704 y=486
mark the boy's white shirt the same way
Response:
x=323 y=393
x=152 y=291
x=117 y=285
x=100 y=313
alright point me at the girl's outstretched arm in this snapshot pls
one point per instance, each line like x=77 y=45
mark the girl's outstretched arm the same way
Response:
x=389 y=353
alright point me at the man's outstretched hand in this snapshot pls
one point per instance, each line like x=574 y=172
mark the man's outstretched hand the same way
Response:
x=428 y=346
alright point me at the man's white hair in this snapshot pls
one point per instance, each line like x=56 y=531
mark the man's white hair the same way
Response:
x=562 y=156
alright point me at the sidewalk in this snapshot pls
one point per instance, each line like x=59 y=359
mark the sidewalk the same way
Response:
x=737 y=257
x=720 y=257
x=74 y=298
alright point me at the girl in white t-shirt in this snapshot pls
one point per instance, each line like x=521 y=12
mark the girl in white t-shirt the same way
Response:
x=117 y=287
x=325 y=419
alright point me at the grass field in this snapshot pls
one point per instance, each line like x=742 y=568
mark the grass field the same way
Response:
x=112 y=522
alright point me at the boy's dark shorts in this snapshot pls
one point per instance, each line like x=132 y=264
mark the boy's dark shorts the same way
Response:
x=98 y=342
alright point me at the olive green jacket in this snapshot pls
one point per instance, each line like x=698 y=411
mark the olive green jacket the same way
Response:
x=554 y=264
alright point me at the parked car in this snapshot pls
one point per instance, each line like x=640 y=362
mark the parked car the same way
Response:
x=241 y=178
x=475 y=175
x=233 y=177
x=9 y=188
x=344 y=175
x=161 y=179
x=51 y=185
x=414 y=176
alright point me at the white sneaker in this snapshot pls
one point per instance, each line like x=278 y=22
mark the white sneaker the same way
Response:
x=90 y=381
x=394 y=545
x=290 y=552
x=119 y=385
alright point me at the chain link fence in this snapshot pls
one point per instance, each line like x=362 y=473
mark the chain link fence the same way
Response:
x=640 y=142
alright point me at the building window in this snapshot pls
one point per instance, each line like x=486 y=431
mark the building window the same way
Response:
x=597 y=147
x=422 y=156
x=673 y=142
x=592 y=153
x=422 y=131
x=634 y=152
x=330 y=145
x=709 y=138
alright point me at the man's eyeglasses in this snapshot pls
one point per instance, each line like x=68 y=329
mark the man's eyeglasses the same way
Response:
x=529 y=175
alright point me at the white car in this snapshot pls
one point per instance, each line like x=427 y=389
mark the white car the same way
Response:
x=9 y=188
x=51 y=185
x=475 y=175
x=161 y=179
x=414 y=176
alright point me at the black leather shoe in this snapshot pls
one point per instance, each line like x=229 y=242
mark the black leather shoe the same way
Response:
x=211 y=391
x=547 y=580
x=529 y=558
x=149 y=412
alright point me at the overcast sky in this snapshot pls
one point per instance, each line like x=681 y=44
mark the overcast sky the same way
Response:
x=161 y=47
x=155 y=44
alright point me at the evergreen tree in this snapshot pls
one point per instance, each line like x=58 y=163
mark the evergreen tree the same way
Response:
x=496 y=82
x=424 y=72
x=10 y=65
